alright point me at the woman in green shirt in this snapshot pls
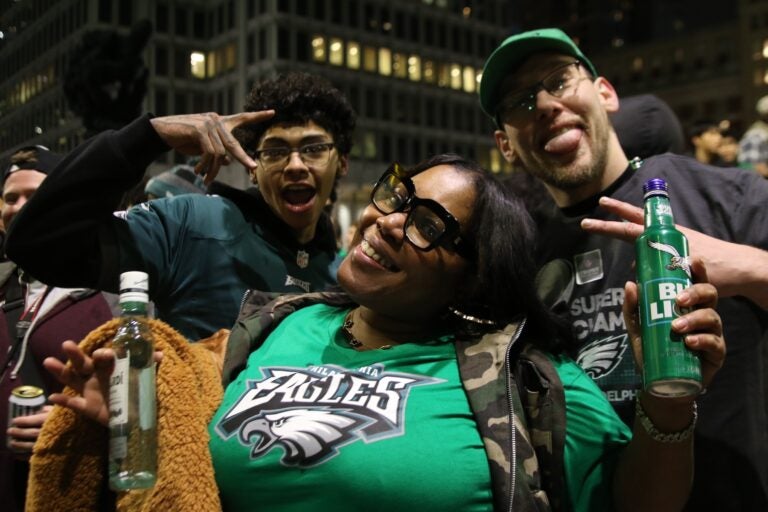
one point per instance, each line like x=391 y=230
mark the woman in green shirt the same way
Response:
x=436 y=380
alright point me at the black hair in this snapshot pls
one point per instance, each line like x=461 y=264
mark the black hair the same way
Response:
x=298 y=98
x=502 y=238
x=701 y=126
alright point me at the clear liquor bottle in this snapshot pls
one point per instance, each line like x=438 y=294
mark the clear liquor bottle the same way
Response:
x=132 y=396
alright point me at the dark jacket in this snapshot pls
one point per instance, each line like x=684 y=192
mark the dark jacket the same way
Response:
x=63 y=314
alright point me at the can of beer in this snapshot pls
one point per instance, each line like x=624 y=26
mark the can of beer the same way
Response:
x=663 y=271
x=24 y=400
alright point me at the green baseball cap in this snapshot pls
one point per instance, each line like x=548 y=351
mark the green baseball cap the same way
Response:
x=515 y=49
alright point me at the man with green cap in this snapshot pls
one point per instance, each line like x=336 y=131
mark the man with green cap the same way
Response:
x=552 y=109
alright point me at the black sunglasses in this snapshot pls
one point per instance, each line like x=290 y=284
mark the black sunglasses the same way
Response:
x=428 y=224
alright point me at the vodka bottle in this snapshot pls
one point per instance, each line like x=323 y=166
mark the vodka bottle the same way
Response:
x=132 y=398
x=663 y=271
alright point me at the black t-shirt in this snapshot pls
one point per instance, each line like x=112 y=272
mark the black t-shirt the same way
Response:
x=730 y=204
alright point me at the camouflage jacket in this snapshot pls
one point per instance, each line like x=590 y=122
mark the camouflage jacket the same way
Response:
x=513 y=390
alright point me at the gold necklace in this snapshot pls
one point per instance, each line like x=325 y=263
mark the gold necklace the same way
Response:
x=346 y=330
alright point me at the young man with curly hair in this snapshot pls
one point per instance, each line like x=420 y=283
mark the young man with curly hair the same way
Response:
x=202 y=252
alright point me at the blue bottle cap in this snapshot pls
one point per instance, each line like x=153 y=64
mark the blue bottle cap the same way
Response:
x=655 y=184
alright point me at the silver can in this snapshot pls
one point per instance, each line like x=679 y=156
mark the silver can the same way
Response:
x=24 y=400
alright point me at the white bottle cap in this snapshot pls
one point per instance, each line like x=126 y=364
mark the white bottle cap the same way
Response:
x=134 y=286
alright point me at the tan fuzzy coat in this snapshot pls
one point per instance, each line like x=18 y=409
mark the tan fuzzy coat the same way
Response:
x=68 y=466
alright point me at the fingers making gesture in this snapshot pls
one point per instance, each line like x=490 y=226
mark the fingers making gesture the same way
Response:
x=209 y=135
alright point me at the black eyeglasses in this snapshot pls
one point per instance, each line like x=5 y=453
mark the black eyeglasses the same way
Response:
x=313 y=155
x=560 y=82
x=428 y=224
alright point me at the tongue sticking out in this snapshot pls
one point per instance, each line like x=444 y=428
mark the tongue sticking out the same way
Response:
x=298 y=196
x=565 y=142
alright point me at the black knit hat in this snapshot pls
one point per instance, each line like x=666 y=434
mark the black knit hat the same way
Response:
x=32 y=158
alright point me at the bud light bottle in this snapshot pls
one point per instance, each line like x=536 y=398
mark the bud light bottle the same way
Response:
x=132 y=398
x=663 y=270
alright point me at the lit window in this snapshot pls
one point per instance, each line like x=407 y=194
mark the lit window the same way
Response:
x=399 y=64
x=469 y=79
x=637 y=64
x=455 y=76
x=385 y=61
x=765 y=77
x=197 y=64
x=429 y=71
x=353 y=55
x=336 y=52
x=765 y=48
x=211 y=65
x=369 y=145
x=414 y=68
x=495 y=161
x=230 y=58
x=369 y=59
x=318 y=49
x=466 y=12
x=443 y=75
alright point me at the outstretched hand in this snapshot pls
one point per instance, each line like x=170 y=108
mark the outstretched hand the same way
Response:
x=88 y=376
x=209 y=135
x=735 y=269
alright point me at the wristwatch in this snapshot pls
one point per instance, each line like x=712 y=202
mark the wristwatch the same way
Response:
x=664 y=437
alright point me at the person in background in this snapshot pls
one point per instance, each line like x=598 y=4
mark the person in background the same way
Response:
x=647 y=126
x=705 y=138
x=753 y=146
x=438 y=330
x=728 y=151
x=180 y=179
x=34 y=319
x=552 y=112
x=294 y=138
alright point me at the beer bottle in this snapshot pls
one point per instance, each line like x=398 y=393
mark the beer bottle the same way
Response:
x=663 y=270
x=132 y=398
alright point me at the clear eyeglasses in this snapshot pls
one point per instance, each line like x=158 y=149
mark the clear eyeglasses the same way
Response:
x=313 y=155
x=560 y=82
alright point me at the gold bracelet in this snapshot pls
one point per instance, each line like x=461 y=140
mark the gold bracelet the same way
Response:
x=655 y=434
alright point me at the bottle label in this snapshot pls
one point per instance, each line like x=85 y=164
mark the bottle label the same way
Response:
x=118 y=392
x=147 y=410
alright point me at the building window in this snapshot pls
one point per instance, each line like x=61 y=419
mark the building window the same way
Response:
x=430 y=76
x=369 y=59
x=385 y=61
x=161 y=61
x=318 y=49
x=161 y=18
x=455 y=76
x=197 y=64
x=336 y=52
x=181 y=21
x=469 y=79
x=414 y=68
x=399 y=65
x=353 y=55
x=180 y=66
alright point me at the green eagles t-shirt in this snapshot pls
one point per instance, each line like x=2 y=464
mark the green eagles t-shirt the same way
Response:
x=312 y=424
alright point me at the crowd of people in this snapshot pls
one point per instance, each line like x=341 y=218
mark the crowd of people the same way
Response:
x=474 y=349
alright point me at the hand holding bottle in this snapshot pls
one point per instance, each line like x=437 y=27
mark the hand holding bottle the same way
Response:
x=89 y=377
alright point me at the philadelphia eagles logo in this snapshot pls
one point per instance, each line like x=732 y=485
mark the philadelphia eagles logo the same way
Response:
x=600 y=357
x=307 y=436
x=311 y=413
x=676 y=261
